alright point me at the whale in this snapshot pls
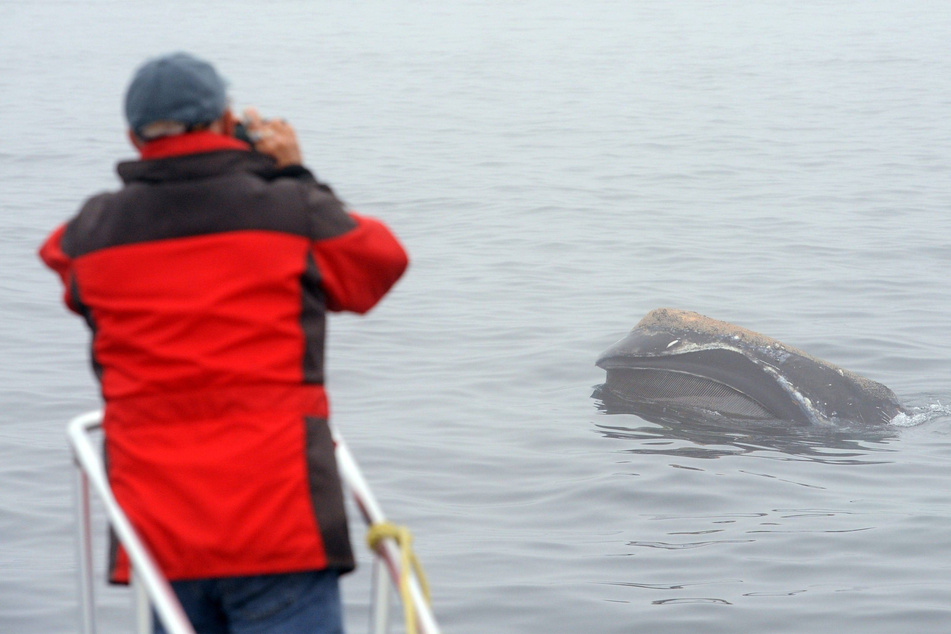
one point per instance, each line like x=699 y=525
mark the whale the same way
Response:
x=684 y=364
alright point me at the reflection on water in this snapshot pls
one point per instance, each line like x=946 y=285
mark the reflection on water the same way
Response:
x=676 y=433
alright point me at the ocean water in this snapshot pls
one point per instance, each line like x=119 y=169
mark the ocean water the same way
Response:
x=556 y=169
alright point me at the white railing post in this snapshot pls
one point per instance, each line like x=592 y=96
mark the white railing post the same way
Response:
x=381 y=598
x=87 y=601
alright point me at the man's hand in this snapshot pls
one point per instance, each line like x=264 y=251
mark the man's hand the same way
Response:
x=274 y=137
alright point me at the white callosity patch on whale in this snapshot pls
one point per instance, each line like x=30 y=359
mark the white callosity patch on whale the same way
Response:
x=721 y=332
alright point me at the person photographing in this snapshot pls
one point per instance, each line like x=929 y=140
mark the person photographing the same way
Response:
x=205 y=281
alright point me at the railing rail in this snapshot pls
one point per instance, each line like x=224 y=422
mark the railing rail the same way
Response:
x=90 y=474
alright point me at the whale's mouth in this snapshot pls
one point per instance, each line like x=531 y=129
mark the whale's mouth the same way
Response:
x=684 y=391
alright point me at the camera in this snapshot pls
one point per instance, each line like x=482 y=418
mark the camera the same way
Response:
x=242 y=133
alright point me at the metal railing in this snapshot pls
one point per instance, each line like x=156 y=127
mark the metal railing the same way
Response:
x=153 y=590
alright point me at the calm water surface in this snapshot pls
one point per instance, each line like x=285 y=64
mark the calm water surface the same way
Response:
x=556 y=169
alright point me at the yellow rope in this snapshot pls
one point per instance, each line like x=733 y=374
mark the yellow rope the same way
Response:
x=400 y=534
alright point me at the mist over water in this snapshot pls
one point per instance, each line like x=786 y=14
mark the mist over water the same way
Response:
x=556 y=170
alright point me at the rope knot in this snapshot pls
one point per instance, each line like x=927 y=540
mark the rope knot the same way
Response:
x=404 y=539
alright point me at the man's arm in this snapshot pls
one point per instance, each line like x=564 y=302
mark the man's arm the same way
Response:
x=54 y=257
x=358 y=267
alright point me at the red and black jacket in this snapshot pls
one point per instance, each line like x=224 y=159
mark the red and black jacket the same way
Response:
x=205 y=282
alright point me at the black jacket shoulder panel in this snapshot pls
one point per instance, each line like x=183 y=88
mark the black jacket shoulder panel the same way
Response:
x=85 y=223
x=327 y=213
x=204 y=194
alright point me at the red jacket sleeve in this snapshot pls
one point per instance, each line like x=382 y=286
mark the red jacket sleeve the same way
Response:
x=53 y=256
x=358 y=267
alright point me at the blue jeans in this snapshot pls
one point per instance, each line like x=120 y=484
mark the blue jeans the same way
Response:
x=292 y=603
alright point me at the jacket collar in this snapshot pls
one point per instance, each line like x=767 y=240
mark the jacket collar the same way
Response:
x=190 y=143
x=192 y=156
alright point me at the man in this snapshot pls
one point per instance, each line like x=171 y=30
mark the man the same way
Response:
x=205 y=282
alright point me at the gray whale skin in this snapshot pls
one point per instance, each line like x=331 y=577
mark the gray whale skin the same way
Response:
x=682 y=362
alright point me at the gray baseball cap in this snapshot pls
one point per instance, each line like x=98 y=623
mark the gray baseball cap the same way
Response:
x=173 y=93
